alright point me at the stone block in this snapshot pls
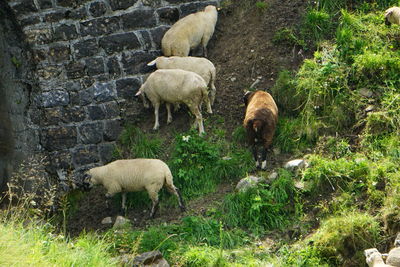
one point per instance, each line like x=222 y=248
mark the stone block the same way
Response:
x=54 y=98
x=31 y=20
x=94 y=66
x=119 y=42
x=96 y=27
x=65 y=32
x=147 y=39
x=114 y=69
x=59 y=53
x=39 y=36
x=111 y=110
x=134 y=63
x=48 y=72
x=139 y=19
x=121 y=4
x=91 y=133
x=112 y=130
x=58 y=138
x=61 y=160
x=73 y=114
x=168 y=15
x=128 y=87
x=85 y=48
x=45 y=4
x=95 y=113
x=54 y=16
x=72 y=86
x=106 y=151
x=103 y=92
x=25 y=7
x=97 y=9
x=85 y=155
x=190 y=8
x=39 y=54
x=157 y=35
x=77 y=14
x=70 y=3
x=75 y=70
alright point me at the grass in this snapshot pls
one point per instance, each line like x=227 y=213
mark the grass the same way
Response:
x=35 y=245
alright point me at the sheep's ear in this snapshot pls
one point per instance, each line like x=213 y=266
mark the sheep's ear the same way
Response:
x=247 y=96
x=152 y=63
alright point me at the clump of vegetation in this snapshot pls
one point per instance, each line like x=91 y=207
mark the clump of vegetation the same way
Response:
x=133 y=143
x=198 y=165
x=262 y=207
x=343 y=239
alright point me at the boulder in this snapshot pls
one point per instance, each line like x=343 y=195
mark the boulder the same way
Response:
x=248 y=182
x=120 y=221
x=151 y=259
x=296 y=164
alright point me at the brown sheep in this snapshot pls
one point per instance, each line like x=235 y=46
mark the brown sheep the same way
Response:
x=260 y=122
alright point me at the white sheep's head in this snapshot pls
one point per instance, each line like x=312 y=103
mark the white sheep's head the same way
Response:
x=373 y=256
x=87 y=181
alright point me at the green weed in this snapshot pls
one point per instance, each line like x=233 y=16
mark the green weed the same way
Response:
x=341 y=240
x=263 y=207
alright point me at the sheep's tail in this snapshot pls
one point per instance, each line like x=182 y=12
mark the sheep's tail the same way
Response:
x=173 y=190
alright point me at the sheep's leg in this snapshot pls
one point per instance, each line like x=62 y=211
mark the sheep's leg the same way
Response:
x=199 y=119
x=255 y=155
x=154 y=198
x=169 y=120
x=175 y=191
x=213 y=92
x=123 y=205
x=145 y=103
x=108 y=197
x=156 y=123
x=264 y=159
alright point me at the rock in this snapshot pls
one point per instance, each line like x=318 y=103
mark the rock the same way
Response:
x=272 y=176
x=369 y=108
x=299 y=185
x=365 y=92
x=248 y=182
x=296 y=164
x=106 y=220
x=120 y=221
x=393 y=259
x=152 y=258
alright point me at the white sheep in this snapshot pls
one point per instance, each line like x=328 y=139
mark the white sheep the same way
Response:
x=189 y=32
x=392 y=15
x=202 y=66
x=132 y=175
x=175 y=86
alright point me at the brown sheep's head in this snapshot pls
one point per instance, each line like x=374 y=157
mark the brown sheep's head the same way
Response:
x=247 y=97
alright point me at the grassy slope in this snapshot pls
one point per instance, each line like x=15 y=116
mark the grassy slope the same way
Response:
x=343 y=105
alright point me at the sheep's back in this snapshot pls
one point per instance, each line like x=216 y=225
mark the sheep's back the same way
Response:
x=259 y=101
x=136 y=174
x=174 y=85
x=201 y=66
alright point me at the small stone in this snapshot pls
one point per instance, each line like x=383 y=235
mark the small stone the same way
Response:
x=276 y=151
x=152 y=258
x=106 y=220
x=296 y=164
x=248 y=182
x=365 y=92
x=273 y=176
x=120 y=221
x=369 y=108
x=233 y=79
x=299 y=185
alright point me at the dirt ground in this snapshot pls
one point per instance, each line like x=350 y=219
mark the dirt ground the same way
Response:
x=242 y=51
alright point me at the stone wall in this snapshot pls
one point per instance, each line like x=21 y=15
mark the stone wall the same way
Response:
x=18 y=135
x=90 y=59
